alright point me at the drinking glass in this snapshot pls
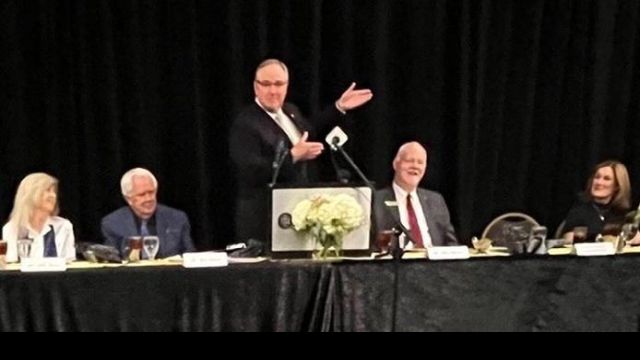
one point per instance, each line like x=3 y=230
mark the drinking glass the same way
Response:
x=24 y=248
x=133 y=249
x=151 y=244
x=3 y=254
x=628 y=232
x=580 y=234
x=384 y=240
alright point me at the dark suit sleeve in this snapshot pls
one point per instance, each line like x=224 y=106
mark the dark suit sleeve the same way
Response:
x=253 y=140
x=252 y=146
x=382 y=218
x=251 y=160
x=109 y=235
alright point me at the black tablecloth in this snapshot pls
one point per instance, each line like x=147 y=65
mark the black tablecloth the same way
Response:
x=538 y=294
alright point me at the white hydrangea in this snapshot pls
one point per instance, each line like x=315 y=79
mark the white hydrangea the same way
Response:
x=332 y=214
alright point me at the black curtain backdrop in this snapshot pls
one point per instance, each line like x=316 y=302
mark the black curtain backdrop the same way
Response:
x=515 y=100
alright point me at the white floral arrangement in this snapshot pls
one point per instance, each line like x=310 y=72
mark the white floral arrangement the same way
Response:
x=328 y=218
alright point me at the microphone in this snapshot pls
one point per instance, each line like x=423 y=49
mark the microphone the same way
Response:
x=336 y=138
x=280 y=155
x=280 y=148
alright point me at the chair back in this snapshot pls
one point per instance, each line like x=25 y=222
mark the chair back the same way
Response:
x=560 y=230
x=510 y=227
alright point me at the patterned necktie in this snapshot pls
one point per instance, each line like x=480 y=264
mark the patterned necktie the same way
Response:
x=50 y=243
x=413 y=224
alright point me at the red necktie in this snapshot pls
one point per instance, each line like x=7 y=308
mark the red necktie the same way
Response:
x=413 y=224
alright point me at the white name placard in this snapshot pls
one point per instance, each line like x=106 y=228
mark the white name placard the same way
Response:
x=43 y=264
x=448 y=253
x=595 y=249
x=204 y=259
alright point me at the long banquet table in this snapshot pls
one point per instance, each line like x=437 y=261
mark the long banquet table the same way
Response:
x=489 y=294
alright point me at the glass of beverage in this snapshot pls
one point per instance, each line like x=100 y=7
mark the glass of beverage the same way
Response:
x=133 y=249
x=3 y=254
x=24 y=248
x=384 y=240
x=151 y=244
x=580 y=234
x=628 y=232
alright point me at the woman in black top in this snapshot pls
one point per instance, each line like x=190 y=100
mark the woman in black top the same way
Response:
x=605 y=201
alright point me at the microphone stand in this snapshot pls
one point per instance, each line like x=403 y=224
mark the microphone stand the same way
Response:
x=396 y=250
x=277 y=165
x=281 y=154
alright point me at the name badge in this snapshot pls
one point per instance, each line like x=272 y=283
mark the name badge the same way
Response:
x=595 y=249
x=448 y=253
x=46 y=264
x=205 y=259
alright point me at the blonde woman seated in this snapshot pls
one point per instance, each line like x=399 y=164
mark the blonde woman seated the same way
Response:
x=34 y=217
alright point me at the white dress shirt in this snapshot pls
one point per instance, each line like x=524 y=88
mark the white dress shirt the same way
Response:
x=401 y=199
x=284 y=122
x=62 y=228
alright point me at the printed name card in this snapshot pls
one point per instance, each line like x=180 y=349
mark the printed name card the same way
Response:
x=204 y=259
x=595 y=249
x=48 y=264
x=448 y=253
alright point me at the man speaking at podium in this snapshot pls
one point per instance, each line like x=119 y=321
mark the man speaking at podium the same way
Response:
x=270 y=136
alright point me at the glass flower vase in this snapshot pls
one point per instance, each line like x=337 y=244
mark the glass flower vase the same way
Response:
x=327 y=246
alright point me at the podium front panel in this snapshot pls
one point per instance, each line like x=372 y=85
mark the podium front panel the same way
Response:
x=284 y=238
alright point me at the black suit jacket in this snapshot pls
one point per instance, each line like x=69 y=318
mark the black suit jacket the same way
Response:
x=434 y=208
x=253 y=140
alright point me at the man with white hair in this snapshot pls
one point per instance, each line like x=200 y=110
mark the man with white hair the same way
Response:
x=145 y=217
x=423 y=212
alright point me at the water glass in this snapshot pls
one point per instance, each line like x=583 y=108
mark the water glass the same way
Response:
x=24 y=248
x=151 y=245
x=628 y=232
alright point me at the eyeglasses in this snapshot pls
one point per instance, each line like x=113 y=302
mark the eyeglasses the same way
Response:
x=272 y=83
